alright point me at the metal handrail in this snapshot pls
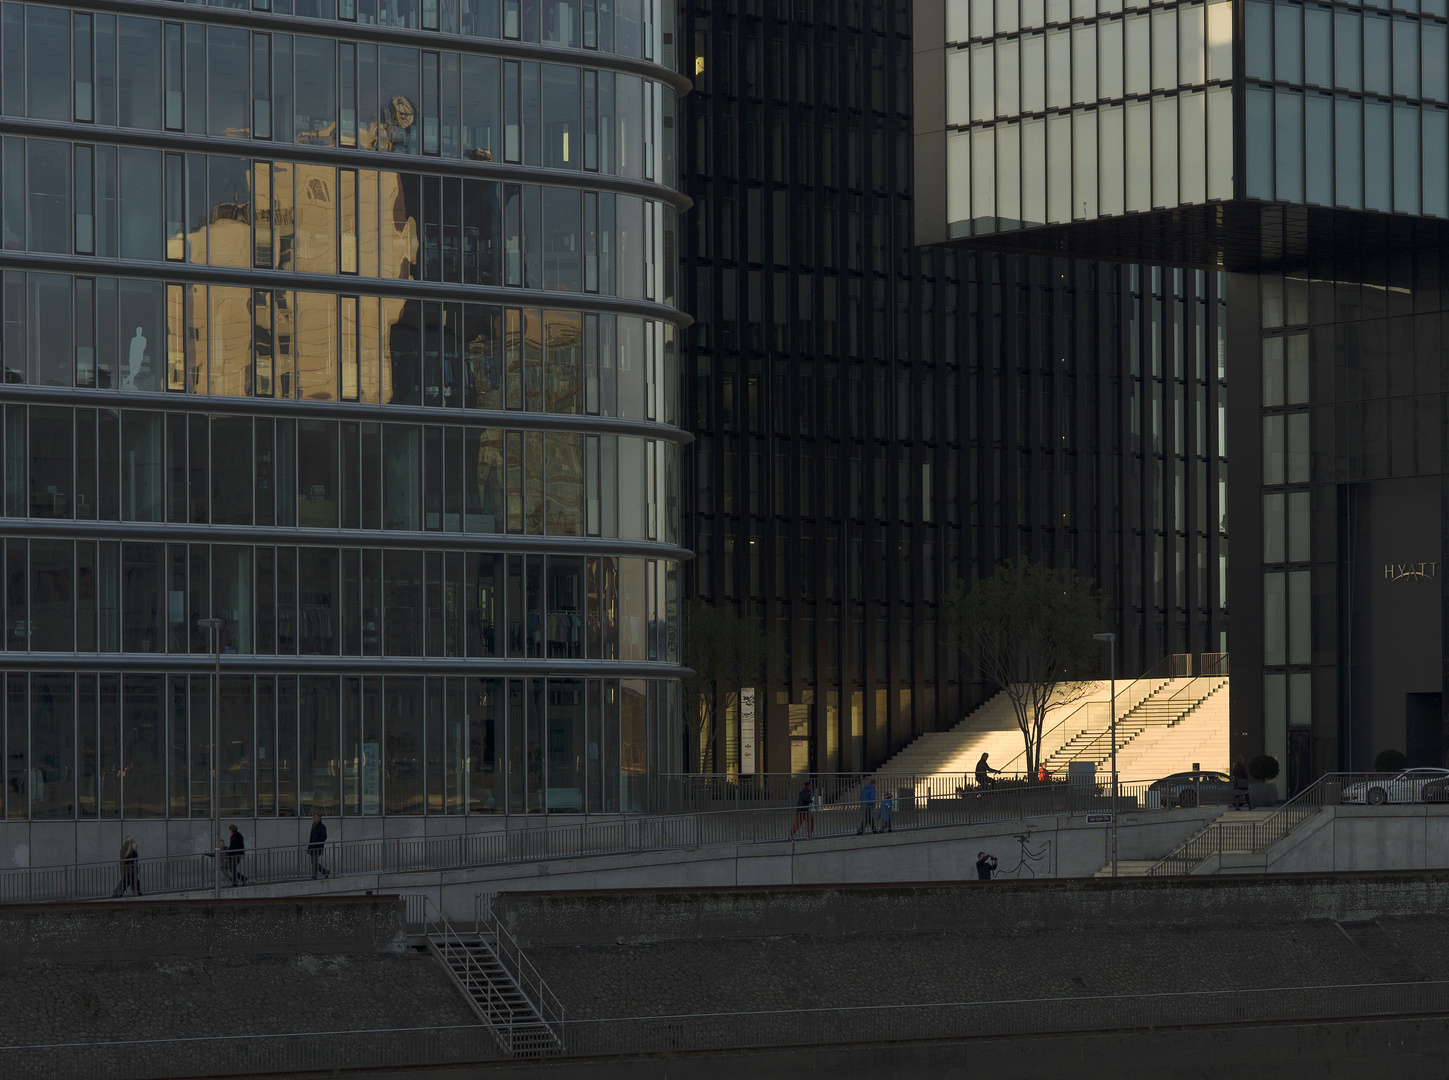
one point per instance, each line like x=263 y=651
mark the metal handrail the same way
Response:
x=1255 y=837
x=1127 y=727
x=1148 y=684
x=1002 y=800
x=530 y=983
x=474 y=977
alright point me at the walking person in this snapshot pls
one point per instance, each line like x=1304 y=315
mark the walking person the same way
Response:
x=803 y=805
x=130 y=857
x=867 y=807
x=985 y=866
x=316 y=840
x=235 y=847
x=983 y=772
x=886 y=809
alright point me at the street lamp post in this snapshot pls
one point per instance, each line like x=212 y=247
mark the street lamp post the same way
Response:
x=214 y=625
x=1111 y=640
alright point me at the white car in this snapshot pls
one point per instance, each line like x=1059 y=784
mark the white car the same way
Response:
x=1408 y=786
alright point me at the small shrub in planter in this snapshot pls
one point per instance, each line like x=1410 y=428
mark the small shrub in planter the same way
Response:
x=1390 y=761
x=1264 y=767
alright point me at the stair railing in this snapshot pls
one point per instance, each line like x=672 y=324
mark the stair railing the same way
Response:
x=530 y=983
x=1134 y=693
x=490 y=1000
x=1255 y=837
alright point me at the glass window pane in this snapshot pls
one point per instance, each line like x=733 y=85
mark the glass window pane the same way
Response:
x=1347 y=69
x=315 y=97
x=1260 y=143
x=1378 y=161
x=1377 y=67
x=228 y=73
x=316 y=346
x=1288 y=42
x=1258 y=39
x=1275 y=630
x=1288 y=138
x=1318 y=139
x=1406 y=159
x=1274 y=546
x=1348 y=153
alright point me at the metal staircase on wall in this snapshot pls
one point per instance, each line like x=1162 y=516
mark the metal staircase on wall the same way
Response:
x=500 y=984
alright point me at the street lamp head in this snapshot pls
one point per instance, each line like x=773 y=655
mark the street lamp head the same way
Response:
x=1104 y=637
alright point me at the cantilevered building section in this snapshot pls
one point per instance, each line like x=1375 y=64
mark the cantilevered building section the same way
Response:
x=1304 y=149
x=353 y=328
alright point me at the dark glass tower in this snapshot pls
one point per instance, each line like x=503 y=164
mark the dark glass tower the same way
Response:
x=352 y=326
x=875 y=420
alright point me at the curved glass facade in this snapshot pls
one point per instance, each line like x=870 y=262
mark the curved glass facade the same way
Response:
x=365 y=345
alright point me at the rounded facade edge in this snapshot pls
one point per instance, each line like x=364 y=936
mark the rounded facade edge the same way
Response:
x=340 y=29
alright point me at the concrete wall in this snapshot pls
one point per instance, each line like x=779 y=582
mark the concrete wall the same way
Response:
x=1007 y=908
x=108 y=933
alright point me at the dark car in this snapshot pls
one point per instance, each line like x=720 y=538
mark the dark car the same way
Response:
x=1192 y=789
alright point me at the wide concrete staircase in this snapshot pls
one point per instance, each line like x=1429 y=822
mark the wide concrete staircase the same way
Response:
x=1155 y=719
x=1163 y=726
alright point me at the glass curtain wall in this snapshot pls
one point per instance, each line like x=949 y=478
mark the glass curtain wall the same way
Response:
x=390 y=329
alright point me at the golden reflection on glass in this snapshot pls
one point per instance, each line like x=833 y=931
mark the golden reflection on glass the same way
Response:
x=348 y=323
x=513 y=357
x=316 y=219
x=175 y=337
x=485 y=354
x=347 y=186
x=533 y=359
x=283 y=214
x=262 y=218
x=369 y=355
x=231 y=341
x=488 y=478
x=533 y=482
x=398 y=228
x=367 y=211
x=197 y=340
x=262 y=336
x=564 y=483
x=515 y=481
x=563 y=362
x=284 y=304
x=316 y=339
x=229 y=215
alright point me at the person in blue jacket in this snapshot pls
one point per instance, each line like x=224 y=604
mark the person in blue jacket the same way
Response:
x=867 y=807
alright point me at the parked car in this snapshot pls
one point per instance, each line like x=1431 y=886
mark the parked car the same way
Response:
x=1411 y=785
x=1190 y=788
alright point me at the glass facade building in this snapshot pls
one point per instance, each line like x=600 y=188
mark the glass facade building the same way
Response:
x=352 y=325
x=875 y=420
x=1326 y=216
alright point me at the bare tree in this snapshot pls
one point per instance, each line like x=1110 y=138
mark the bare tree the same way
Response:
x=726 y=653
x=1028 y=630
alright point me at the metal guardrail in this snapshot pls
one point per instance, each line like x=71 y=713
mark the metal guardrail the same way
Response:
x=1255 y=837
x=543 y=1000
x=489 y=999
x=704 y=792
x=1003 y=800
x=240 y=1055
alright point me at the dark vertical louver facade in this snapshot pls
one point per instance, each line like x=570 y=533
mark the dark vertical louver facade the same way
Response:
x=874 y=421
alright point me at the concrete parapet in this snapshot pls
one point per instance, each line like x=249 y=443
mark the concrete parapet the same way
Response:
x=197 y=929
x=1007 y=908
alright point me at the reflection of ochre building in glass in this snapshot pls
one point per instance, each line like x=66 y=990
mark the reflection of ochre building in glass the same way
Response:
x=372 y=358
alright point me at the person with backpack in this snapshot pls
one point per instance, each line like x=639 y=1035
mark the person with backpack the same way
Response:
x=235 y=847
x=867 y=807
x=887 y=808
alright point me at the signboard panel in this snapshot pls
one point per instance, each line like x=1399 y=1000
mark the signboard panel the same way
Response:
x=747 y=730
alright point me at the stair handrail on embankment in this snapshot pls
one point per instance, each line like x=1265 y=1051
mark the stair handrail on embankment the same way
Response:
x=485 y=996
x=1255 y=837
x=535 y=991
